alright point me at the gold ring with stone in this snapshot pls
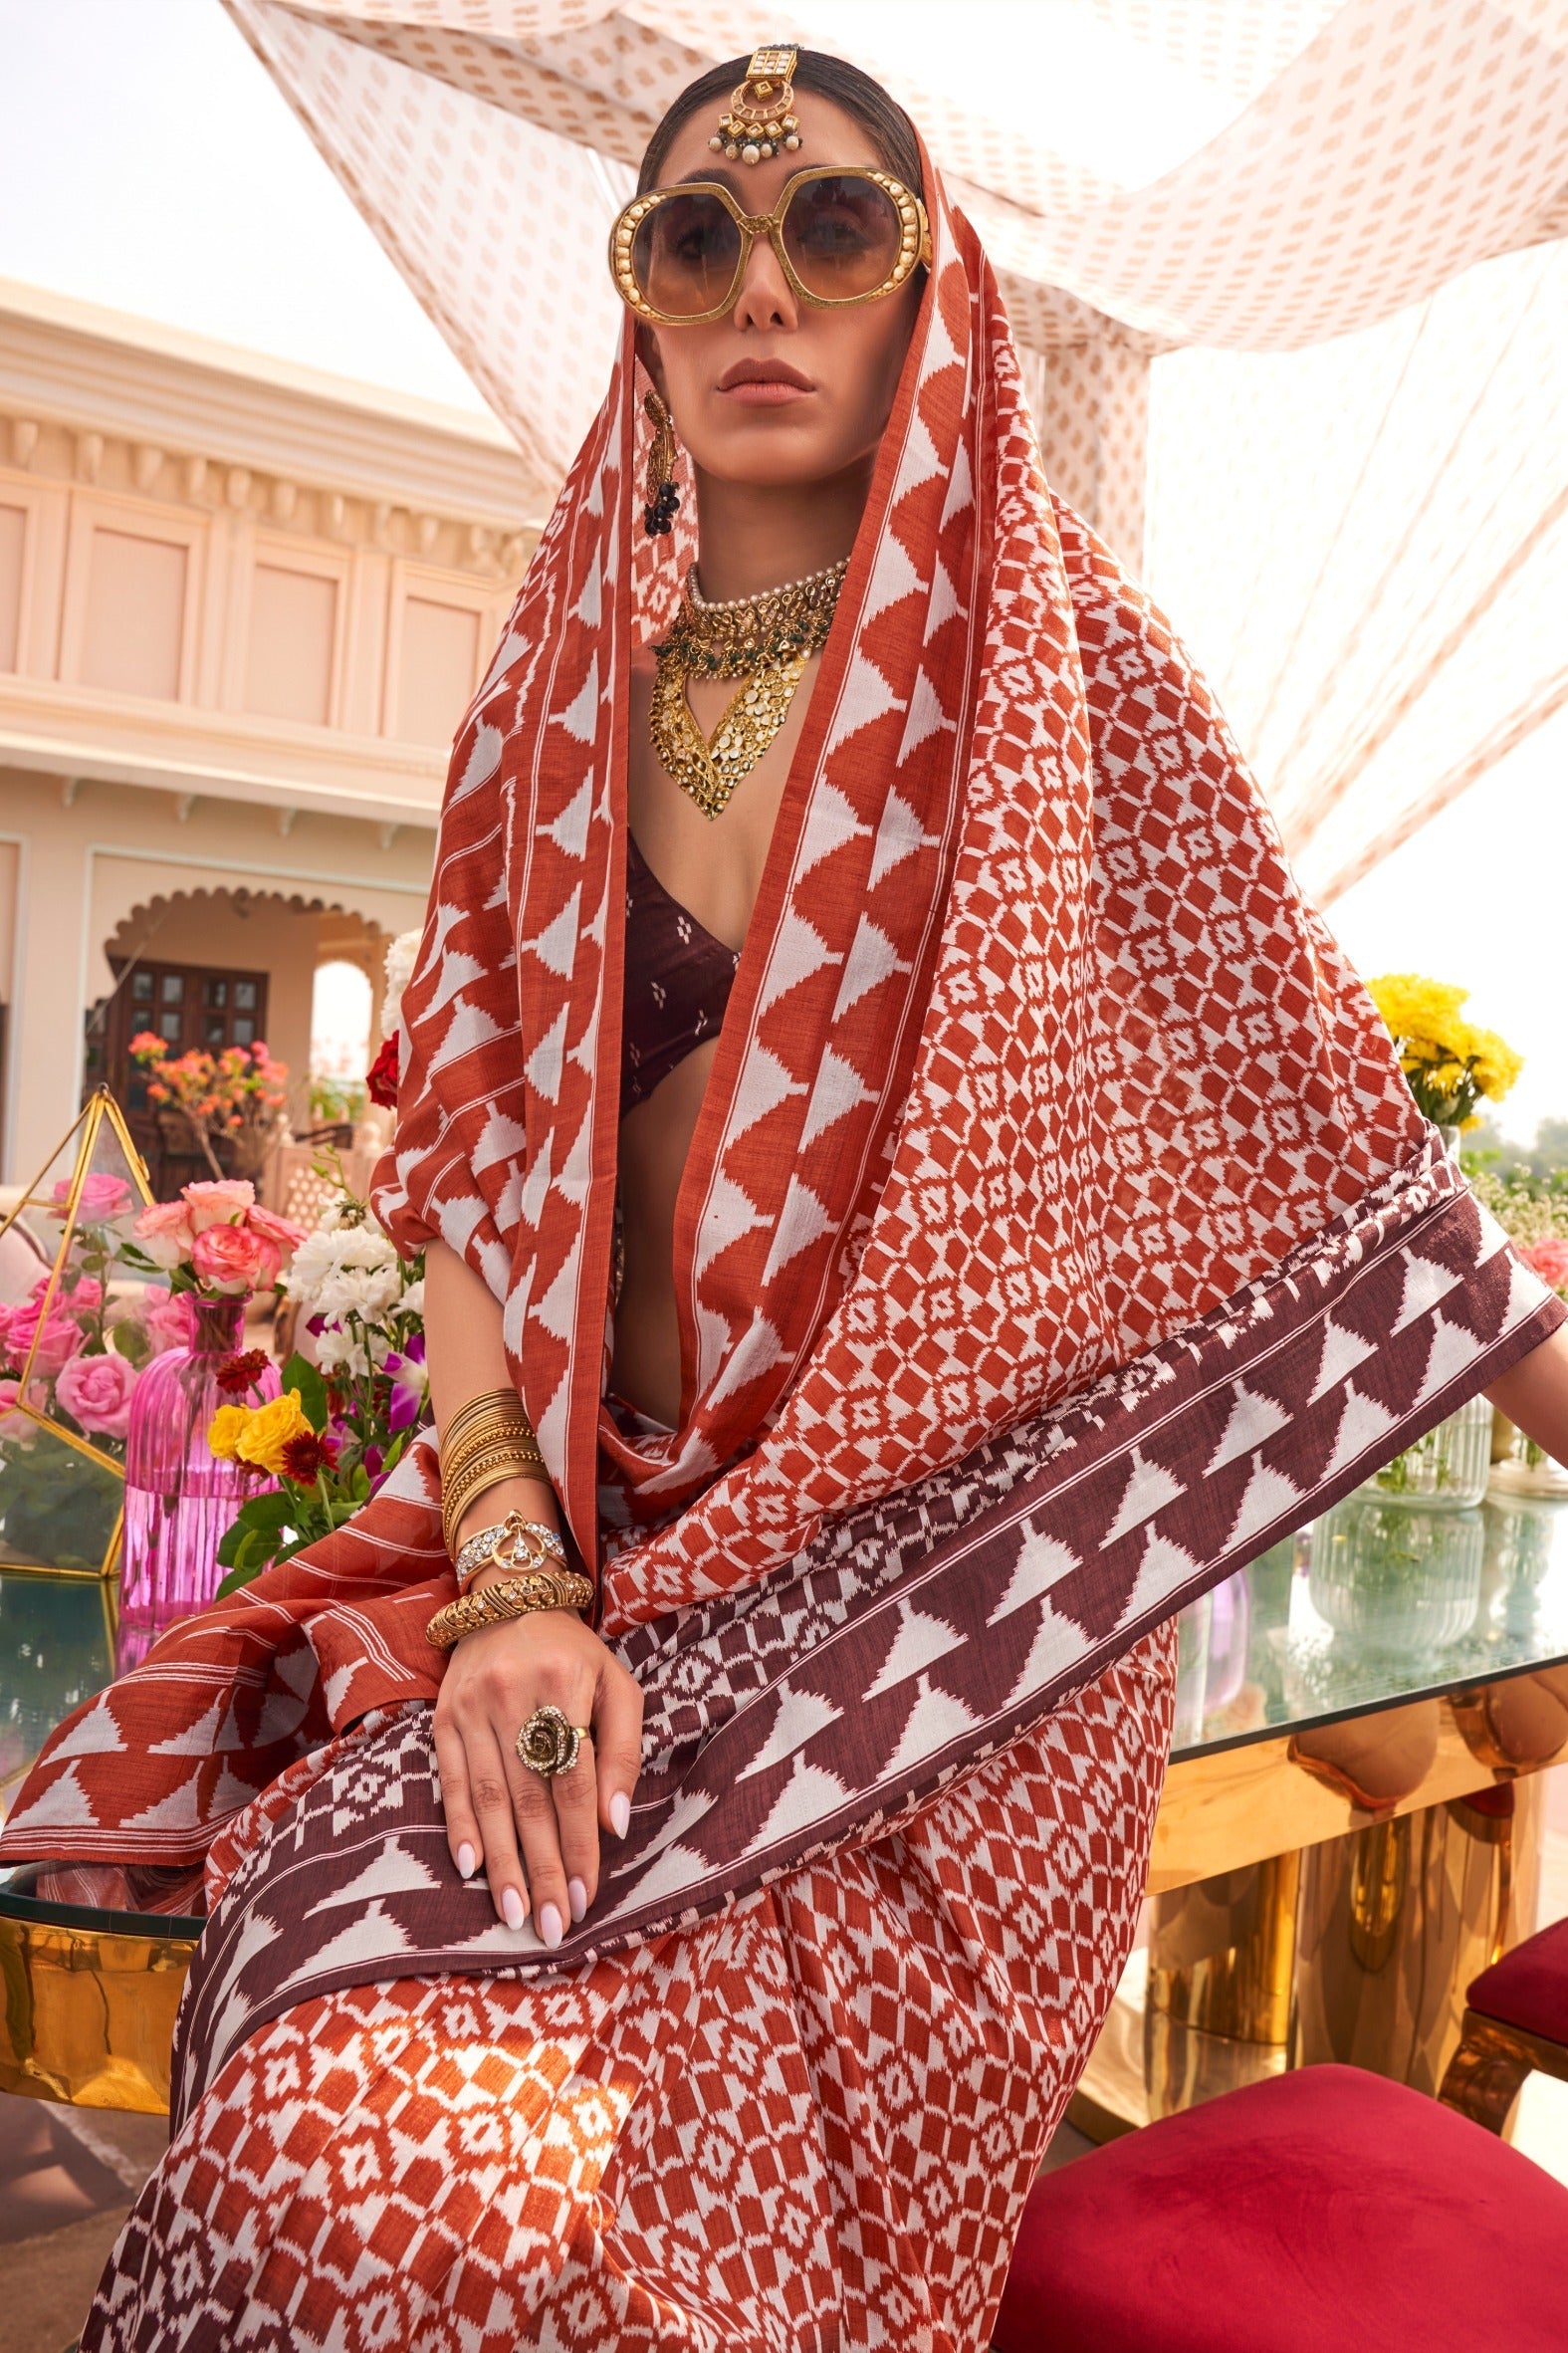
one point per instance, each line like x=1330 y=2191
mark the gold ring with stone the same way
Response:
x=549 y=1743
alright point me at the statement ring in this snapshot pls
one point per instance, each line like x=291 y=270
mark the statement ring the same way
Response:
x=549 y=1744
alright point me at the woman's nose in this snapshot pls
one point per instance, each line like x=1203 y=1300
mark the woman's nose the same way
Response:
x=766 y=298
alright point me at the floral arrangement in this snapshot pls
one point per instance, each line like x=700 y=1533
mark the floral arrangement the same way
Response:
x=87 y=1348
x=1450 y=1062
x=73 y=1354
x=342 y=1424
x=238 y=1095
x=216 y=1240
x=1536 y=1221
x=383 y=1076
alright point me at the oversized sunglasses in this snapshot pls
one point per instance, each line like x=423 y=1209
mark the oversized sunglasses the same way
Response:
x=843 y=234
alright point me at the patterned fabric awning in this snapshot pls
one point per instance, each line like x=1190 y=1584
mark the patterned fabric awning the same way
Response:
x=1342 y=217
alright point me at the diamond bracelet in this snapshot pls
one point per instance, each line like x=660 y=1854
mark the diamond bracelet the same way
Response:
x=506 y=1545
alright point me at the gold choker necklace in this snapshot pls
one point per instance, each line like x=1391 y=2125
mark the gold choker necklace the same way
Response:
x=766 y=641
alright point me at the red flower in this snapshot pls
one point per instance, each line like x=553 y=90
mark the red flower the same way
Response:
x=382 y=1077
x=236 y=1374
x=305 y=1457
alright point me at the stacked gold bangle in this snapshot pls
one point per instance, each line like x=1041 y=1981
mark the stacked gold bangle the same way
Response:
x=487 y=1441
x=508 y=1597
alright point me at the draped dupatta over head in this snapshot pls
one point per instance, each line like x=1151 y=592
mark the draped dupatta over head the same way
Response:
x=1035 y=1053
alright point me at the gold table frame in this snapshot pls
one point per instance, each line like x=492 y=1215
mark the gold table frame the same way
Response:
x=1291 y=1923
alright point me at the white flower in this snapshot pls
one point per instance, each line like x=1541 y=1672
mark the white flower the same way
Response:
x=400 y=958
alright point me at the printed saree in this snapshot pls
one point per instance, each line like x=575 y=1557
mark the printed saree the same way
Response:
x=1058 y=1232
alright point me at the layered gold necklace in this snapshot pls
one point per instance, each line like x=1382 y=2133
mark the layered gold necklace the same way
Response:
x=764 y=640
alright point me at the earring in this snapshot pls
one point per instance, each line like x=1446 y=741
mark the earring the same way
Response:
x=658 y=516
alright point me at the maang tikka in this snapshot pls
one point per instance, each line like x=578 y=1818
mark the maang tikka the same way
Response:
x=658 y=516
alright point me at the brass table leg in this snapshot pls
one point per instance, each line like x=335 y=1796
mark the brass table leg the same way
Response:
x=1394 y=1921
x=1213 y=2010
x=1356 y=1949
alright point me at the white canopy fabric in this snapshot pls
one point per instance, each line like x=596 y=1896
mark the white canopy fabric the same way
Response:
x=1339 y=220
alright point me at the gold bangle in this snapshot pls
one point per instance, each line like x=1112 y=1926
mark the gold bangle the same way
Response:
x=492 y=1404
x=456 y=1498
x=509 y=1597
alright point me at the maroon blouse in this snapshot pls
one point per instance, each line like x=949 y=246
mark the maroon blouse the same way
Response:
x=678 y=979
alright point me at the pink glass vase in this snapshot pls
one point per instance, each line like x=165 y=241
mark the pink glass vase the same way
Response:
x=180 y=1499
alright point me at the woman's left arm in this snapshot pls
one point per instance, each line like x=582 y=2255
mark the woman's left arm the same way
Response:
x=1535 y=1394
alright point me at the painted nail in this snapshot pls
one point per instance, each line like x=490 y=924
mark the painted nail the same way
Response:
x=577 y=1898
x=550 y=1927
x=512 y=1911
x=466 y=1859
x=620 y=1814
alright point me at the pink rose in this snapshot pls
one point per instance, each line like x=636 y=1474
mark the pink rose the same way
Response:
x=165 y=1232
x=57 y=1334
x=104 y=1198
x=231 y=1259
x=1548 y=1259
x=277 y=1230
x=95 y=1391
x=167 y=1319
x=84 y=1298
x=218 y=1202
x=14 y=1425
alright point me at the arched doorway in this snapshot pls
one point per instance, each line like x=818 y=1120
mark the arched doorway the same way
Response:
x=207 y=969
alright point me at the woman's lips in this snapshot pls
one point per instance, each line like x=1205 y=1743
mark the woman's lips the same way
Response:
x=764 y=391
x=762 y=383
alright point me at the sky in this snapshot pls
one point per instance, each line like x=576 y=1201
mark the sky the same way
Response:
x=147 y=161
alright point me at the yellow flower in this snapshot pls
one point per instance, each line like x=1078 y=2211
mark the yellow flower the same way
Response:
x=1496 y=1063
x=224 y=1430
x=1421 y=1014
x=269 y=1430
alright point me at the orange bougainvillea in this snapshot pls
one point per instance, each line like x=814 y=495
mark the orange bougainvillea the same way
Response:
x=239 y=1093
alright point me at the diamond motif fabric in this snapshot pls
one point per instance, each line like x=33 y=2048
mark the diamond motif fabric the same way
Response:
x=808 y=2125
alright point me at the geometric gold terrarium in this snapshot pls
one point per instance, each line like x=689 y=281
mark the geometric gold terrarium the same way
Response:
x=63 y=1471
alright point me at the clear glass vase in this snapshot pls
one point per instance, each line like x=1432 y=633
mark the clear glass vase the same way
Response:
x=1445 y=1471
x=1527 y=1469
x=180 y=1499
x=1395 y=1582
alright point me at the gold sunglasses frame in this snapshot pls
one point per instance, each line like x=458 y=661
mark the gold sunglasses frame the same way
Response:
x=914 y=242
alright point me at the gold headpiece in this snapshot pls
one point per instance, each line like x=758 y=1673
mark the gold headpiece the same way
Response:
x=758 y=122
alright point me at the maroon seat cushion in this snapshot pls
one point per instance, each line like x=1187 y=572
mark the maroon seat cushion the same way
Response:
x=1315 y=2213
x=1528 y=1987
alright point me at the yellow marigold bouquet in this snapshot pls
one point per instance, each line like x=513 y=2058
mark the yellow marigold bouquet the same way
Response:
x=1448 y=1061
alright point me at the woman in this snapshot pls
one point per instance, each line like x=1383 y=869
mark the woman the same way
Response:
x=1021 y=1221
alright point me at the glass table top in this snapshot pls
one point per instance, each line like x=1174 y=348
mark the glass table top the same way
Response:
x=1373 y=1604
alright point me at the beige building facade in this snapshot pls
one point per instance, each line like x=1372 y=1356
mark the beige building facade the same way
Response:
x=242 y=610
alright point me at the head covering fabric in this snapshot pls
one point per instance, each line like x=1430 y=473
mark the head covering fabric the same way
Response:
x=1035 y=1052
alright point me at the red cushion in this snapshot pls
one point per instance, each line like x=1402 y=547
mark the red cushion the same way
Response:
x=1528 y=1987
x=1312 y=2212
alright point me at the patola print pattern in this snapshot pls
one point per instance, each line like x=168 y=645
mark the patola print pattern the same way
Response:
x=1058 y=1230
x=1033 y=1052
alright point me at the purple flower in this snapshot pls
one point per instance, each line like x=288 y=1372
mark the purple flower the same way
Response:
x=410 y=1380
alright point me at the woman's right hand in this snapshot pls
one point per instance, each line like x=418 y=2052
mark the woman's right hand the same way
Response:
x=538 y=1839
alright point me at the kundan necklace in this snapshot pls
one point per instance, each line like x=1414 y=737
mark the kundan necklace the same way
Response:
x=766 y=641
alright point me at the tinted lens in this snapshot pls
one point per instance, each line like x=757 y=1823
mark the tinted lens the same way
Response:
x=684 y=255
x=843 y=236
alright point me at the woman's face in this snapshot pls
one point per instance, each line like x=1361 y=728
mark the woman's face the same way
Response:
x=781 y=391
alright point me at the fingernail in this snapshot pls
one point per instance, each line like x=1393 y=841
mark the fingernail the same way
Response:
x=550 y=1927
x=577 y=1898
x=512 y=1911
x=620 y=1814
x=466 y=1859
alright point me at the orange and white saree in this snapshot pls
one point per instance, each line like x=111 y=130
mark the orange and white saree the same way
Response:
x=1058 y=1231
